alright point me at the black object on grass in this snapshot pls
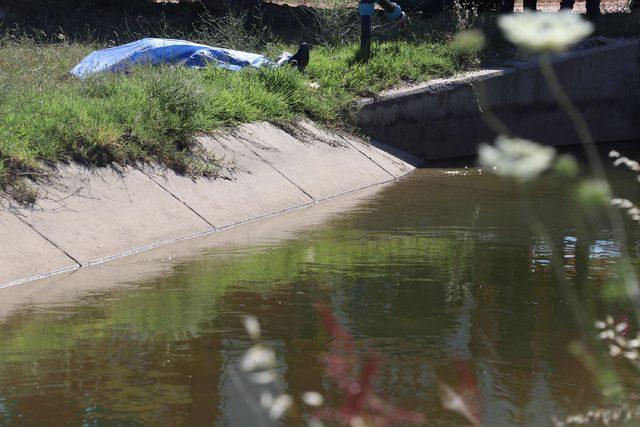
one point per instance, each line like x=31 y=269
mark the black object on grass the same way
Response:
x=301 y=58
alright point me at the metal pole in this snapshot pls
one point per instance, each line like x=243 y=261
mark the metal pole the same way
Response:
x=367 y=8
x=366 y=11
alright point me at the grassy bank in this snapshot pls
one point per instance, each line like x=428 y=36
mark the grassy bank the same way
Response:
x=151 y=114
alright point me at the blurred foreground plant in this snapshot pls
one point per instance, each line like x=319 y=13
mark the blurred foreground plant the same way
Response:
x=354 y=374
x=352 y=371
x=524 y=161
x=545 y=32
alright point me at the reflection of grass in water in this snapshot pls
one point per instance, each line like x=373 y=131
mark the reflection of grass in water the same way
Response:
x=128 y=335
x=123 y=341
x=173 y=307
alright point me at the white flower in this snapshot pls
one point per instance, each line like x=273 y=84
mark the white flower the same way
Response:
x=635 y=343
x=518 y=158
x=280 y=406
x=266 y=399
x=599 y=324
x=614 y=350
x=620 y=340
x=258 y=357
x=623 y=203
x=620 y=327
x=544 y=32
x=608 y=334
x=313 y=398
x=620 y=160
x=252 y=325
x=631 y=164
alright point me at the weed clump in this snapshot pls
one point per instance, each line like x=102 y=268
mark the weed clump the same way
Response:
x=150 y=115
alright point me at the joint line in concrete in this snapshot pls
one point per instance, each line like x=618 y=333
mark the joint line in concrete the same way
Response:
x=393 y=177
x=178 y=199
x=54 y=244
x=275 y=169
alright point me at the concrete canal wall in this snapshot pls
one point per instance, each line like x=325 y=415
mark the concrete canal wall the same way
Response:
x=87 y=216
x=442 y=118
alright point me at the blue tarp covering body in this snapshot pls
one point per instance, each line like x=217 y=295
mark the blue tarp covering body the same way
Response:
x=166 y=51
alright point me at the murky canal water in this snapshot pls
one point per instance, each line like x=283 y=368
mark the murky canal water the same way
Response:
x=439 y=267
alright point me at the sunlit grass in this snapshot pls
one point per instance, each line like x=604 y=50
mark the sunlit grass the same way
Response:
x=151 y=114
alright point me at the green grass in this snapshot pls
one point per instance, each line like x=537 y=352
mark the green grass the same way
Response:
x=152 y=114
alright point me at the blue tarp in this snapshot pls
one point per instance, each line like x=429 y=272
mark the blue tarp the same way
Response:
x=166 y=51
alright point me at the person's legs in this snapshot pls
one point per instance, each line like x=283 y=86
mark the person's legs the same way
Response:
x=567 y=4
x=593 y=8
x=507 y=6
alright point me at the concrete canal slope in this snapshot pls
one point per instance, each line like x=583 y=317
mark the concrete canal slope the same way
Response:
x=164 y=261
x=442 y=119
x=87 y=217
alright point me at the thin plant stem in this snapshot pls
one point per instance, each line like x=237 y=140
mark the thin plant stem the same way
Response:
x=488 y=116
x=580 y=314
x=578 y=120
x=597 y=166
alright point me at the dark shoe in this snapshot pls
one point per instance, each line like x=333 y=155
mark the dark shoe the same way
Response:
x=301 y=58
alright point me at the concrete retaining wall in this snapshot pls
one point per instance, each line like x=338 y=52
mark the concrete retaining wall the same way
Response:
x=88 y=216
x=442 y=119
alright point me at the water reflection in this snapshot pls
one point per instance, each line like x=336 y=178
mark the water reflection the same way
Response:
x=440 y=266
